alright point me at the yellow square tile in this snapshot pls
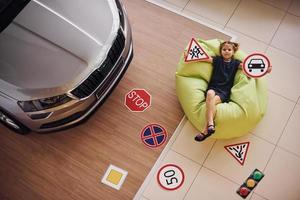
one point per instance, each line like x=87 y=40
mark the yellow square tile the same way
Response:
x=114 y=177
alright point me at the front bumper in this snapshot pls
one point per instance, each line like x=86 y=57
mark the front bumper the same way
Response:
x=80 y=108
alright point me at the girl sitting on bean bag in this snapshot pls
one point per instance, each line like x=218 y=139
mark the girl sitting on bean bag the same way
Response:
x=220 y=84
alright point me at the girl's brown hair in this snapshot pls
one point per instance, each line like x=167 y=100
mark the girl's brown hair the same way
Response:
x=235 y=46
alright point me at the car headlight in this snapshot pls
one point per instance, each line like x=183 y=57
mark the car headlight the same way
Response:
x=43 y=104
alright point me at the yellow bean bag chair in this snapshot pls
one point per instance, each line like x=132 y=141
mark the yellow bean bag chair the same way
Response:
x=248 y=100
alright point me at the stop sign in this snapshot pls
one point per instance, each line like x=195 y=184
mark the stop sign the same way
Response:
x=137 y=100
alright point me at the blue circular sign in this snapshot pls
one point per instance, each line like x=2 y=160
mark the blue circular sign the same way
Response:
x=153 y=135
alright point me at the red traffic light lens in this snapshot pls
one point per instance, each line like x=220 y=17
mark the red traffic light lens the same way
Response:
x=244 y=191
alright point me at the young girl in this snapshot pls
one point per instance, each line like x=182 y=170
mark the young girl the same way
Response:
x=221 y=82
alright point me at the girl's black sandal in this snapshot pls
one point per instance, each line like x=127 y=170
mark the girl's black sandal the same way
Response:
x=201 y=136
x=211 y=129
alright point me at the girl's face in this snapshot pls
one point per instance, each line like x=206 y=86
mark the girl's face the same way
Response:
x=227 y=51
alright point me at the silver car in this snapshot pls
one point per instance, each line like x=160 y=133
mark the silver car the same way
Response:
x=59 y=59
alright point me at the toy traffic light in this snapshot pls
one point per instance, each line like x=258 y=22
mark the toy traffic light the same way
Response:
x=250 y=183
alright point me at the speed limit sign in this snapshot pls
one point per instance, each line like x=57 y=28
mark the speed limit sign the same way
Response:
x=170 y=177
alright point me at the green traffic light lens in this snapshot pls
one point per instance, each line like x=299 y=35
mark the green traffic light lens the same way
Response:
x=257 y=175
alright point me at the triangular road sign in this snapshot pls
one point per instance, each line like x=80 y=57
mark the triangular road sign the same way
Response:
x=195 y=52
x=238 y=151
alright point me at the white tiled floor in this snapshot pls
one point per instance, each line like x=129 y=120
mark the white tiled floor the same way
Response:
x=282 y=177
x=256 y=19
x=189 y=148
x=272 y=125
x=285 y=74
x=290 y=137
x=295 y=8
x=155 y=192
x=285 y=35
x=202 y=186
x=220 y=161
x=281 y=4
x=267 y=26
x=216 y=10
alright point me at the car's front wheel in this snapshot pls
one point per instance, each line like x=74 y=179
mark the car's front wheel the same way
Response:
x=13 y=124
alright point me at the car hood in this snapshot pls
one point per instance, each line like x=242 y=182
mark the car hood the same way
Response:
x=51 y=46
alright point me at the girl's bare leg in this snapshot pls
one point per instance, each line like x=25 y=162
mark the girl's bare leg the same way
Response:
x=211 y=101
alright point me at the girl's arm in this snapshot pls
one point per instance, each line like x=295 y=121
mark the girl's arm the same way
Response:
x=209 y=60
x=241 y=67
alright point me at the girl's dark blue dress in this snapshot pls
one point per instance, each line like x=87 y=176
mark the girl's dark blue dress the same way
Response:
x=222 y=77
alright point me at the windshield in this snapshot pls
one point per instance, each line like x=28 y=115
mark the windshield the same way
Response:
x=9 y=9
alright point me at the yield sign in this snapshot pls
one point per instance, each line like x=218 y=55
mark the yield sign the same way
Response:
x=238 y=151
x=195 y=52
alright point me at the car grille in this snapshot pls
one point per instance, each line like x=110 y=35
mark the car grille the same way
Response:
x=95 y=79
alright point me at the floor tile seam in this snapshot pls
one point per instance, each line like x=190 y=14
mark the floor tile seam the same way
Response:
x=245 y=34
x=223 y=176
x=185 y=5
x=194 y=19
x=238 y=4
x=287 y=122
x=278 y=26
x=186 y=157
x=164 y=4
x=206 y=157
x=251 y=195
x=263 y=42
x=288 y=10
x=274 y=6
x=271 y=143
x=261 y=196
x=224 y=27
x=294 y=15
x=232 y=181
x=154 y=168
x=204 y=166
x=189 y=188
x=284 y=51
x=286 y=98
x=161 y=157
x=206 y=18
x=276 y=145
x=288 y=151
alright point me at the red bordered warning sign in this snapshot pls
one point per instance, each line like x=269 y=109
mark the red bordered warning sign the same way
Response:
x=170 y=177
x=256 y=65
x=154 y=135
x=195 y=52
x=238 y=151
